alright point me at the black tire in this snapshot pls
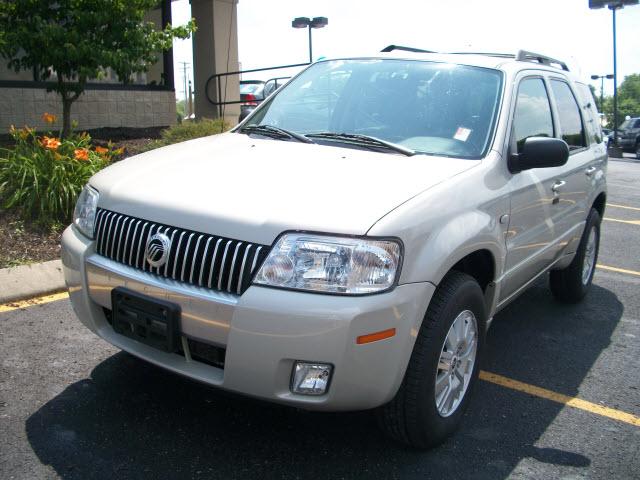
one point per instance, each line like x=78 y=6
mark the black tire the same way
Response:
x=638 y=150
x=412 y=417
x=568 y=284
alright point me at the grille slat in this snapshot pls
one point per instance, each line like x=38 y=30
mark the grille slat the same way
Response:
x=222 y=264
x=244 y=261
x=213 y=262
x=208 y=261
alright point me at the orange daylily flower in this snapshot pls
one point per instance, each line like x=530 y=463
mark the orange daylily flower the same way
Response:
x=49 y=117
x=102 y=150
x=50 y=143
x=81 y=154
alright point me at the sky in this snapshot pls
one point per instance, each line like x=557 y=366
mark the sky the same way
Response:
x=563 y=29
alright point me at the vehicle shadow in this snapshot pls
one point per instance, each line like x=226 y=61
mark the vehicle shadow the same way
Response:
x=133 y=420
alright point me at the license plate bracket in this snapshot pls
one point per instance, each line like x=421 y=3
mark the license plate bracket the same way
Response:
x=148 y=320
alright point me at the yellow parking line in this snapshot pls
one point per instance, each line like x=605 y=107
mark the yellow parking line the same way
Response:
x=616 y=269
x=617 y=205
x=8 y=307
x=631 y=222
x=560 y=398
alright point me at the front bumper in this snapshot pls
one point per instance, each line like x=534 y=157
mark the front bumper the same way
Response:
x=264 y=331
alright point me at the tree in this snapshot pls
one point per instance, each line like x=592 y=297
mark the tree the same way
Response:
x=628 y=99
x=71 y=41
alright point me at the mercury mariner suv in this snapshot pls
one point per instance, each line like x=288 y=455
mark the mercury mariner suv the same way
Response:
x=347 y=245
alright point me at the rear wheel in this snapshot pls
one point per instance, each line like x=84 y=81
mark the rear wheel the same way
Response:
x=571 y=284
x=443 y=368
x=638 y=150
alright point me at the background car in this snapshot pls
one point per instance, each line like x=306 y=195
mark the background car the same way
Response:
x=253 y=92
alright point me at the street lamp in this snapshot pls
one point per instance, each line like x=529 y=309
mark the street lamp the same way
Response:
x=613 y=6
x=608 y=76
x=305 y=22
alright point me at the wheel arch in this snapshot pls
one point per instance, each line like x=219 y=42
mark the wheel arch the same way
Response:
x=600 y=203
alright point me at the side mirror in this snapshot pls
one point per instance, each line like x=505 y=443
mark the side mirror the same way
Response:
x=539 y=152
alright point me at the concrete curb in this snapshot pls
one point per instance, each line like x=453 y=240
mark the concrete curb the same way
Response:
x=26 y=281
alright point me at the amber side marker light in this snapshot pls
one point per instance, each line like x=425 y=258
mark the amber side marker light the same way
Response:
x=374 y=337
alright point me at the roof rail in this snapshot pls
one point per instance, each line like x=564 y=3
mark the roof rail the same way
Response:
x=525 y=56
x=486 y=54
x=521 y=56
x=391 y=48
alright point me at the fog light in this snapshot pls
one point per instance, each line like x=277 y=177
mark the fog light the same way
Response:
x=310 y=378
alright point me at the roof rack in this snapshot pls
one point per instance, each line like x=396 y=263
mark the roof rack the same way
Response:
x=521 y=56
x=525 y=56
x=391 y=48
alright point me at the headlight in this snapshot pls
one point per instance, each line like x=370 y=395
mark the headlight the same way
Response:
x=84 y=215
x=326 y=264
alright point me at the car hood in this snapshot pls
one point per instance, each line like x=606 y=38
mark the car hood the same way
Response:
x=253 y=189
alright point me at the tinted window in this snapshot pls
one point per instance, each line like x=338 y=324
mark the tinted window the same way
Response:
x=533 y=112
x=434 y=108
x=569 y=113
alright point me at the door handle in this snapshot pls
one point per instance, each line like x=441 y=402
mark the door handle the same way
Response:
x=557 y=186
x=590 y=171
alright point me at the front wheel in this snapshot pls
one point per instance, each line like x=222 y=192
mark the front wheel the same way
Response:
x=571 y=284
x=638 y=150
x=443 y=368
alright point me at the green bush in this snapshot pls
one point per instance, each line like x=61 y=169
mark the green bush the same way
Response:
x=188 y=130
x=42 y=176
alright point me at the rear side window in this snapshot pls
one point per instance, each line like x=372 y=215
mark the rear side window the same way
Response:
x=533 y=112
x=590 y=113
x=569 y=115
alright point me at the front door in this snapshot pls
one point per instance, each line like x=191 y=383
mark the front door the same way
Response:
x=531 y=232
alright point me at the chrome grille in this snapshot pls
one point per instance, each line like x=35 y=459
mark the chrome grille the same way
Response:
x=196 y=258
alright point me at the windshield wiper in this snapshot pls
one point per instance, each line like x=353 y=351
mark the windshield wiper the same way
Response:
x=364 y=140
x=274 y=132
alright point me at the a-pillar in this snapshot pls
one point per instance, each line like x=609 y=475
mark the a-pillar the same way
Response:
x=215 y=50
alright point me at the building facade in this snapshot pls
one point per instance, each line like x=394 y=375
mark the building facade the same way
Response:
x=149 y=99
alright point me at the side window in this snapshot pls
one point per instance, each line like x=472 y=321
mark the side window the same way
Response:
x=532 y=117
x=569 y=113
x=590 y=113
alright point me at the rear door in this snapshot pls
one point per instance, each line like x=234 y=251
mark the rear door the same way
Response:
x=571 y=189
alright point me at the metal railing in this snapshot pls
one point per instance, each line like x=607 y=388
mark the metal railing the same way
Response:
x=218 y=84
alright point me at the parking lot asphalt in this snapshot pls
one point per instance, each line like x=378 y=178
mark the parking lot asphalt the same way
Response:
x=74 y=407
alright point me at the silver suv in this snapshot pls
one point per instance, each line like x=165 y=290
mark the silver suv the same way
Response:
x=347 y=245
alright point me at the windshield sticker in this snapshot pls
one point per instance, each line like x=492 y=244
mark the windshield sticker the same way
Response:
x=462 y=134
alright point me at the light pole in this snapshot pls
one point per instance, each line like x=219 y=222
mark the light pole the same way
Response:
x=601 y=78
x=305 y=22
x=613 y=6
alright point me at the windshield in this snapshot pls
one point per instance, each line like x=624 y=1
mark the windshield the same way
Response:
x=624 y=125
x=433 y=108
